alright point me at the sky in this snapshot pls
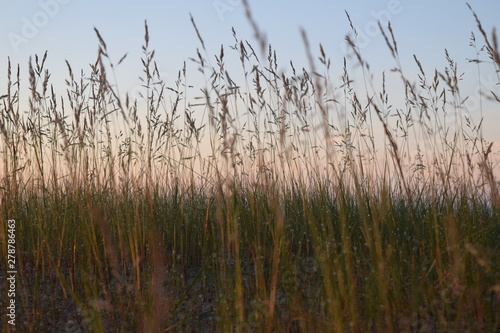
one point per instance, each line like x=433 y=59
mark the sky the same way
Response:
x=66 y=29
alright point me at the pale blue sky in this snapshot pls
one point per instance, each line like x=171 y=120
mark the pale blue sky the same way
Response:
x=65 y=29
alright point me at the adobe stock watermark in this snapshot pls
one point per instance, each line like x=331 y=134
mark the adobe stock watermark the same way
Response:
x=221 y=7
x=371 y=30
x=32 y=25
x=11 y=272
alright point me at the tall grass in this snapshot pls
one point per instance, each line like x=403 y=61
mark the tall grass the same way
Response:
x=275 y=203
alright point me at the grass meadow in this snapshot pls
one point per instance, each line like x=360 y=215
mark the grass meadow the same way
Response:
x=276 y=203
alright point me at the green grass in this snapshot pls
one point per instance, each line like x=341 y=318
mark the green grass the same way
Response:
x=295 y=203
